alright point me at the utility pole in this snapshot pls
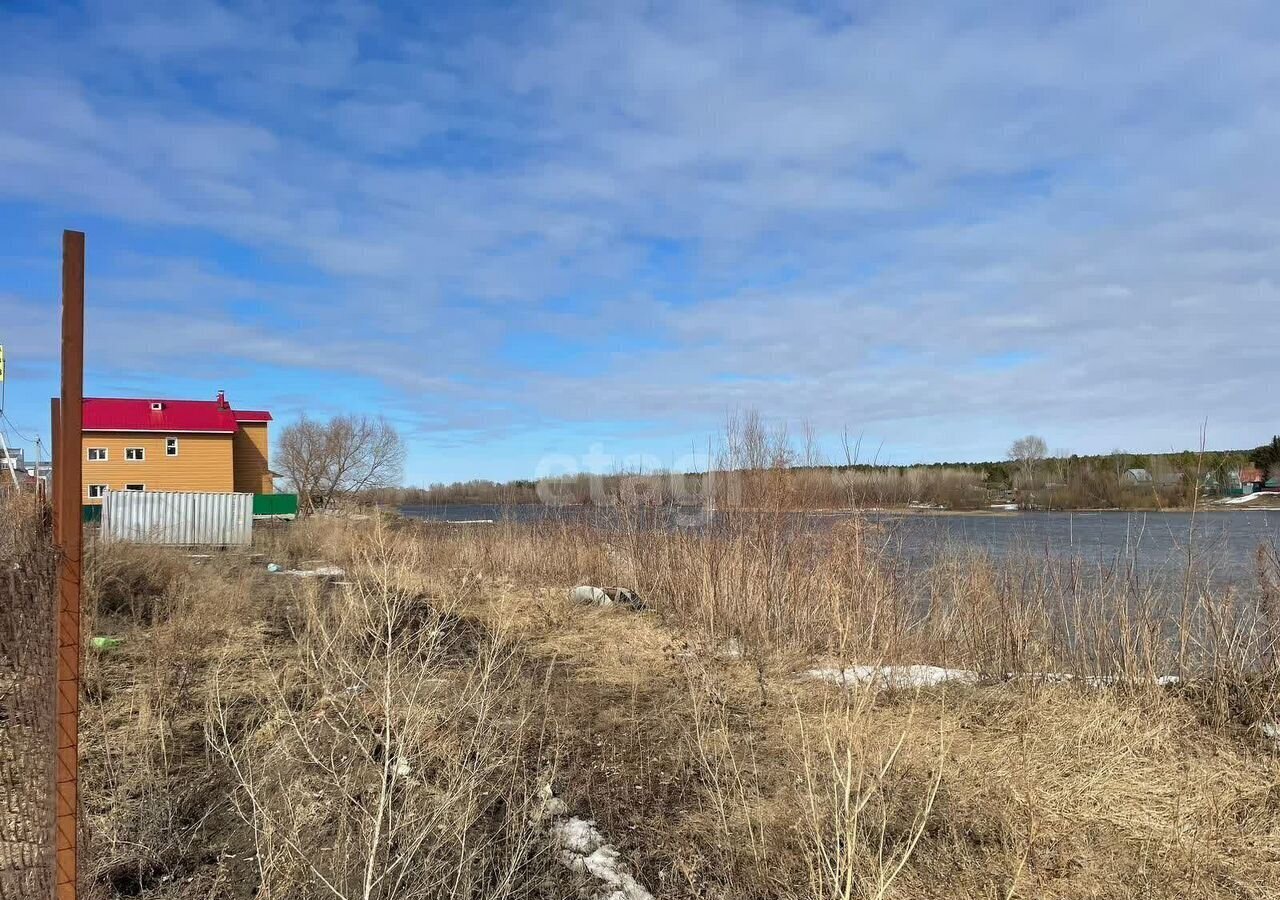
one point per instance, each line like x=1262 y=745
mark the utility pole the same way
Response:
x=68 y=419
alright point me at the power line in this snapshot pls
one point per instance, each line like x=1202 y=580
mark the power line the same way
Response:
x=24 y=437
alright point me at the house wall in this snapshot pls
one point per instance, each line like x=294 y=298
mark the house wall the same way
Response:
x=249 y=448
x=204 y=462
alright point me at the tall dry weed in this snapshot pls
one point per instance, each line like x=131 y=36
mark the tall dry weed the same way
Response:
x=394 y=758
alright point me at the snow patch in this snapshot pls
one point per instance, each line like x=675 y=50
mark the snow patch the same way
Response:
x=1249 y=498
x=916 y=676
x=1270 y=731
x=578 y=836
x=584 y=850
x=1088 y=680
x=317 y=572
x=893 y=676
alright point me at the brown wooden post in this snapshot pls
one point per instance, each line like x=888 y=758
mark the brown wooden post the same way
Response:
x=68 y=530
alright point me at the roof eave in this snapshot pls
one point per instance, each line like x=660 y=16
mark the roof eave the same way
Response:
x=88 y=428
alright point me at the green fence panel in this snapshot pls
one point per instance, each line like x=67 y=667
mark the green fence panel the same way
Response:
x=91 y=515
x=275 y=504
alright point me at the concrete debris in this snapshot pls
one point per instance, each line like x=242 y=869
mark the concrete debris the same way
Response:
x=584 y=850
x=609 y=596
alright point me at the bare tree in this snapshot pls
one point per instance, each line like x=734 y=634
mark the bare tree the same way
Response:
x=324 y=460
x=1119 y=464
x=1027 y=452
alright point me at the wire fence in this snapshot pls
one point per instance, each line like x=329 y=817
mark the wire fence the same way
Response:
x=27 y=662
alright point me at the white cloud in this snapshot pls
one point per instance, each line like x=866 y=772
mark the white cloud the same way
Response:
x=863 y=204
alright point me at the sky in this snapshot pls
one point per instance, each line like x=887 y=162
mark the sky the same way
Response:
x=541 y=237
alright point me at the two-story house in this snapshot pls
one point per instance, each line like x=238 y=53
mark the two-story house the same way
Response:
x=173 y=445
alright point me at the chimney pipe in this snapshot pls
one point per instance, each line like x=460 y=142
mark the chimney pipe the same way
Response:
x=222 y=399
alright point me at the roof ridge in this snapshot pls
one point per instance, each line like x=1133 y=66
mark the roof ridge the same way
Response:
x=150 y=399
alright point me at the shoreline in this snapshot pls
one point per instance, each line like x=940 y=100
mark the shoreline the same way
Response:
x=997 y=512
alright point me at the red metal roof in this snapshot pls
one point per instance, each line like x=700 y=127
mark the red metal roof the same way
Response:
x=212 y=416
x=252 y=415
x=1252 y=476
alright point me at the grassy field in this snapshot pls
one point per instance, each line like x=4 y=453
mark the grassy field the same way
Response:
x=442 y=721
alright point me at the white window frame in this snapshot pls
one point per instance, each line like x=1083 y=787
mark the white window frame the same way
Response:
x=171 y=446
x=136 y=487
x=157 y=406
x=141 y=451
x=102 y=489
x=105 y=457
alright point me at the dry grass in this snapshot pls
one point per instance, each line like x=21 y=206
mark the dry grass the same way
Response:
x=274 y=737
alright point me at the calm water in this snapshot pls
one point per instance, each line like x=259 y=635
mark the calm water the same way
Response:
x=1223 y=544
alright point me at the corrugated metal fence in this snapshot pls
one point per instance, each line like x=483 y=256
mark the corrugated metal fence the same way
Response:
x=177 y=517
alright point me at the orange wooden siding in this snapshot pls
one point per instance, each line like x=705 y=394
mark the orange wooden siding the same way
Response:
x=252 y=474
x=204 y=463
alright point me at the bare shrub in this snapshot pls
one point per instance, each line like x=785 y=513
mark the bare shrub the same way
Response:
x=152 y=802
x=382 y=765
x=943 y=486
x=135 y=581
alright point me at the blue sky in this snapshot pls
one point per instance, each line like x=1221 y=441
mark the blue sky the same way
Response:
x=548 y=232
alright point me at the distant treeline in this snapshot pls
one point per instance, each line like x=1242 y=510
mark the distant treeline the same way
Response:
x=763 y=465
x=1118 y=479
x=477 y=491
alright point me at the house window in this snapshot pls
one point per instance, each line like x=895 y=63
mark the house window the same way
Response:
x=97 y=454
x=170 y=446
x=135 y=454
x=156 y=407
x=135 y=487
x=96 y=491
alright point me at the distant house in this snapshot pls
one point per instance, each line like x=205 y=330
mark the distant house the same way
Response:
x=1252 y=479
x=173 y=445
x=1135 y=477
